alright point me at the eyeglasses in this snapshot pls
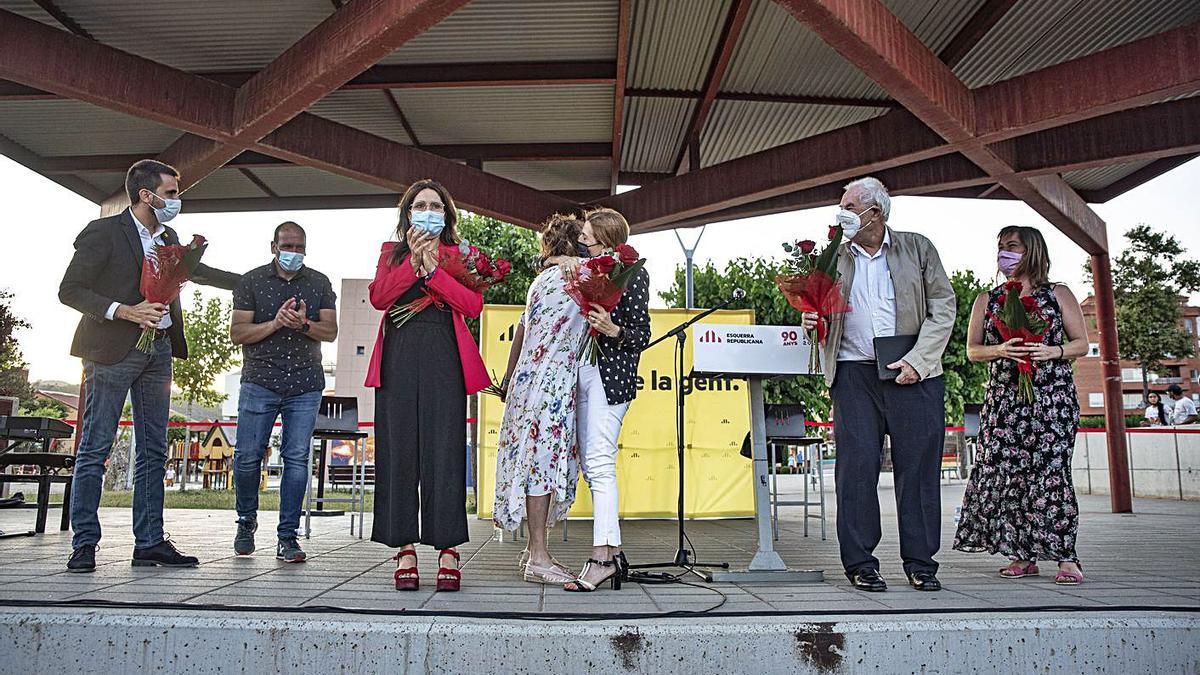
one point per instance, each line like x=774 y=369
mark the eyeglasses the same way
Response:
x=431 y=206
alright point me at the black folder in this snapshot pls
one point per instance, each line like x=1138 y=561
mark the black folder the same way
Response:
x=889 y=350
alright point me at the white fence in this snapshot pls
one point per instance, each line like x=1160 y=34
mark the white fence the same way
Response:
x=1163 y=462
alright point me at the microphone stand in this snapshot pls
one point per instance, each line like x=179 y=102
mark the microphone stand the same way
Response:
x=683 y=556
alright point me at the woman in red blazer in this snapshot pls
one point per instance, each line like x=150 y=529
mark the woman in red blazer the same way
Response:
x=422 y=373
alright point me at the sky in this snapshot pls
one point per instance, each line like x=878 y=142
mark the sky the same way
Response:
x=42 y=219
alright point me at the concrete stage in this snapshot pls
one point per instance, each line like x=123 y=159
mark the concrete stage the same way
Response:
x=1139 y=610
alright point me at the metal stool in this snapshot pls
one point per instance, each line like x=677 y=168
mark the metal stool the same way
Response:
x=786 y=424
x=337 y=419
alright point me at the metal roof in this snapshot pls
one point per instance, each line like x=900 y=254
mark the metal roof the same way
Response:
x=301 y=181
x=556 y=175
x=671 y=42
x=535 y=114
x=225 y=184
x=654 y=129
x=518 y=30
x=207 y=36
x=1094 y=179
x=1039 y=33
x=671 y=49
x=738 y=128
x=369 y=111
x=64 y=127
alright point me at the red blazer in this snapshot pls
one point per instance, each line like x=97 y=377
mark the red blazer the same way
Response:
x=391 y=281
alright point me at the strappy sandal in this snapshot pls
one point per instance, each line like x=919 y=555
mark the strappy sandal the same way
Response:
x=1016 y=571
x=1065 y=578
x=554 y=573
x=407 y=579
x=448 y=579
x=582 y=585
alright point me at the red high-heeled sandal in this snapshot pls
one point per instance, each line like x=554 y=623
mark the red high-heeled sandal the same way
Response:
x=407 y=579
x=448 y=579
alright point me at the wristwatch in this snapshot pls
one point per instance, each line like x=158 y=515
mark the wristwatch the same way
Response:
x=306 y=327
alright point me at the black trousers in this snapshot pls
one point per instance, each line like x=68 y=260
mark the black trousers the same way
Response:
x=865 y=408
x=421 y=436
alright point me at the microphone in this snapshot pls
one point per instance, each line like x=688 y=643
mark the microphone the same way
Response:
x=739 y=294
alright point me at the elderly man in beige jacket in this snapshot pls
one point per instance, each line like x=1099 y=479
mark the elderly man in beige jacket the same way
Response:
x=896 y=287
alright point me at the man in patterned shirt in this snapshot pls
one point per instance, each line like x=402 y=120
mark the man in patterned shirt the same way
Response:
x=282 y=311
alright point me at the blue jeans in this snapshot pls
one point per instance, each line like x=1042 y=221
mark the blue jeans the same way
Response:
x=257 y=409
x=146 y=378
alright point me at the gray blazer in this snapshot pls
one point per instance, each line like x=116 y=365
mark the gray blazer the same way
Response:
x=925 y=302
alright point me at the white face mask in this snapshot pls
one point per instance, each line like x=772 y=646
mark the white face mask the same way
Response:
x=170 y=209
x=850 y=222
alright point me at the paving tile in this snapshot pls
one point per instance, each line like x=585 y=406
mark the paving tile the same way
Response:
x=1120 y=555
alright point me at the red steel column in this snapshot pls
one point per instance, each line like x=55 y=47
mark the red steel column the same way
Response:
x=1114 y=404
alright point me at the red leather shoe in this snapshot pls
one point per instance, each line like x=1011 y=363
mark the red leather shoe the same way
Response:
x=407 y=579
x=449 y=579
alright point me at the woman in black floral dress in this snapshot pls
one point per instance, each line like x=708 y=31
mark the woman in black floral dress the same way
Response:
x=1020 y=501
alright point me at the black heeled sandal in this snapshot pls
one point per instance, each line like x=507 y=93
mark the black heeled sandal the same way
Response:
x=582 y=585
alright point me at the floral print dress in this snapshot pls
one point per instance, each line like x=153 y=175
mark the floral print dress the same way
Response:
x=1020 y=501
x=537 y=452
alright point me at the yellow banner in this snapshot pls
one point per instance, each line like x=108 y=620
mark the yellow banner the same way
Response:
x=718 y=480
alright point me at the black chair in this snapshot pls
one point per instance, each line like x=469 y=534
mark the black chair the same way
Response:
x=337 y=420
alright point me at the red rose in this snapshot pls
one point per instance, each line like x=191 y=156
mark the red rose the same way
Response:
x=626 y=254
x=603 y=264
x=482 y=264
x=833 y=230
x=1029 y=303
x=503 y=267
x=806 y=246
x=1013 y=285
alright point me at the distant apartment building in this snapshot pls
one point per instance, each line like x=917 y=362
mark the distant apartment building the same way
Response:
x=1089 y=380
x=358 y=325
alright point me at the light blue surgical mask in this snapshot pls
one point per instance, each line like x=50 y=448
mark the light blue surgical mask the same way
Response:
x=291 y=261
x=170 y=209
x=428 y=221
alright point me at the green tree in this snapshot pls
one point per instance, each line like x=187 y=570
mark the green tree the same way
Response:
x=756 y=277
x=965 y=381
x=210 y=351
x=14 y=379
x=1148 y=279
x=501 y=240
x=176 y=433
x=44 y=407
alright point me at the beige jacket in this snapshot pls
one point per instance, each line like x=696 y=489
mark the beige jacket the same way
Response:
x=925 y=302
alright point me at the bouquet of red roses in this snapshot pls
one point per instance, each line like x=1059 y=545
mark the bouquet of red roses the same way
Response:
x=1020 y=318
x=469 y=266
x=602 y=280
x=811 y=285
x=165 y=269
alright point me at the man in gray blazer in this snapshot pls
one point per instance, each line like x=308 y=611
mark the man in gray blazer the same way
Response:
x=895 y=285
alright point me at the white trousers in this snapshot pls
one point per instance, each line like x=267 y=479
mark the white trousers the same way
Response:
x=598 y=426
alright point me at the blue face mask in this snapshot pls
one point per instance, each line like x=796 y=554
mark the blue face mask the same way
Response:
x=169 y=210
x=582 y=250
x=291 y=261
x=428 y=221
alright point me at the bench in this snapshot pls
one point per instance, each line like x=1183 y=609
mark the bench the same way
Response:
x=51 y=467
x=343 y=474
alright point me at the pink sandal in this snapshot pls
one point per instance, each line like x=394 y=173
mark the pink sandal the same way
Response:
x=1064 y=578
x=1016 y=571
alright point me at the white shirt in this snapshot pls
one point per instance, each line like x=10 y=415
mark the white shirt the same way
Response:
x=1184 y=408
x=872 y=304
x=148 y=241
x=1152 y=416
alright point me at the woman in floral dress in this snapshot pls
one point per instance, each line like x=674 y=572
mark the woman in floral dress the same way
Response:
x=537 y=461
x=1020 y=501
